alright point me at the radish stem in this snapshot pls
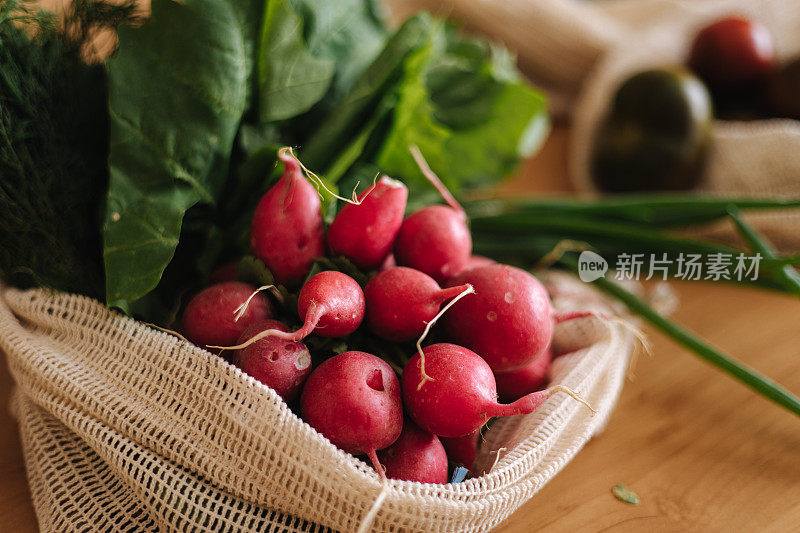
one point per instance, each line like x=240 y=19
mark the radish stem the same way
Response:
x=431 y=176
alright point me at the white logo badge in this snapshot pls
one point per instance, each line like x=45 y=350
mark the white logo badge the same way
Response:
x=591 y=266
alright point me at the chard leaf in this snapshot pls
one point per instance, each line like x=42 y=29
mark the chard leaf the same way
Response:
x=177 y=92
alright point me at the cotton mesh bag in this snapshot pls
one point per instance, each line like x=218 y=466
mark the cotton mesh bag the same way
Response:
x=127 y=428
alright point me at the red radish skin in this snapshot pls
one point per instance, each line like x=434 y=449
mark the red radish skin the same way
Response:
x=354 y=400
x=226 y=272
x=475 y=261
x=515 y=384
x=331 y=304
x=435 y=240
x=364 y=232
x=287 y=232
x=388 y=263
x=401 y=301
x=209 y=318
x=417 y=455
x=462 y=450
x=283 y=366
x=509 y=321
x=459 y=395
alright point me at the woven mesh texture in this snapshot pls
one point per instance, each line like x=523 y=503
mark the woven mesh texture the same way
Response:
x=126 y=428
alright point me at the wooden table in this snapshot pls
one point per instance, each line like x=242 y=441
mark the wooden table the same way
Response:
x=700 y=450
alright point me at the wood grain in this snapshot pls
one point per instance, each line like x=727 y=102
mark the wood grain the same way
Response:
x=700 y=450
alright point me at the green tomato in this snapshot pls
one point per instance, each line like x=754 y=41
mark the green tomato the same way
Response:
x=655 y=135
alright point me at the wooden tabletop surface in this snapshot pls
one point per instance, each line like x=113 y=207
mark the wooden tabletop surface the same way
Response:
x=702 y=452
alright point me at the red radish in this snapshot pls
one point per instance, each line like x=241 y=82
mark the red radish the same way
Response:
x=455 y=393
x=434 y=239
x=226 y=272
x=364 y=232
x=462 y=450
x=210 y=317
x=331 y=304
x=509 y=321
x=354 y=400
x=388 y=263
x=476 y=261
x=515 y=384
x=280 y=365
x=401 y=301
x=287 y=232
x=416 y=455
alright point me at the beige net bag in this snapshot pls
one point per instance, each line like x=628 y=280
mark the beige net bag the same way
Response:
x=126 y=428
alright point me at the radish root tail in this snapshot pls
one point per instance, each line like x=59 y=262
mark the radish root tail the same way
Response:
x=311 y=320
x=318 y=182
x=373 y=458
x=242 y=309
x=256 y=338
x=575 y=395
x=497 y=458
x=425 y=377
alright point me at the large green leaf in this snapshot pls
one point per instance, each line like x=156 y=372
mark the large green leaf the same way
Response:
x=177 y=91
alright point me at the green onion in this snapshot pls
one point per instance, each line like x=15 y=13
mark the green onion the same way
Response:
x=760 y=384
x=785 y=274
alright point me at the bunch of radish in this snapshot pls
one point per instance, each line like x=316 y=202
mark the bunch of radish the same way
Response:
x=353 y=359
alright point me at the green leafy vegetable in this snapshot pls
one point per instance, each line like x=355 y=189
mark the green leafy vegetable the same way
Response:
x=312 y=51
x=177 y=92
x=349 y=33
x=253 y=271
x=458 y=99
x=328 y=139
x=291 y=79
x=471 y=118
x=622 y=493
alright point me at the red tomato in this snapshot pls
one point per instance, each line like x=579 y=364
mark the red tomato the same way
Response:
x=732 y=53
